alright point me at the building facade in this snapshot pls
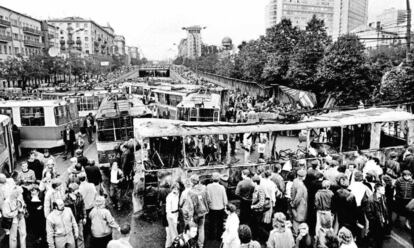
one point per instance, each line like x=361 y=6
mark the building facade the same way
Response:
x=20 y=35
x=84 y=36
x=300 y=12
x=50 y=37
x=194 y=41
x=373 y=36
x=119 y=45
x=348 y=15
x=394 y=20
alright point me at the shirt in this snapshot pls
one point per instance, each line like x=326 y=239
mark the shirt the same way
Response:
x=88 y=192
x=114 y=176
x=60 y=224
x=217 y=195
x=119 y=243
x=171 y=205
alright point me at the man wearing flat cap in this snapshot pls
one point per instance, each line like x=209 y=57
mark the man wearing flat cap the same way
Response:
x=299 y=203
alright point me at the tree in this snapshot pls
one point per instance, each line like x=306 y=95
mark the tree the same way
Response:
x=252 y=59
x=225 y=66
x=343 y=71
x=397 y=84
x=279 y=43
x=307 y=54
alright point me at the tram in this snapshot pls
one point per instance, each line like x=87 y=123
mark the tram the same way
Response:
x=173 y=149
x=41 y=122
x=7 y=152
x=114 y=122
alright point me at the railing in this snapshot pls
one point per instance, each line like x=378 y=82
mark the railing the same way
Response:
x=5 y=38
x=31 y=31
x=33 y=43
x=4 y=23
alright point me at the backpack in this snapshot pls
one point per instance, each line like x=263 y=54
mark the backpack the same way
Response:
x=200 y=202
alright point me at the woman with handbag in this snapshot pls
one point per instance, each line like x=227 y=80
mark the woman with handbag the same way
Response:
x=14 y=210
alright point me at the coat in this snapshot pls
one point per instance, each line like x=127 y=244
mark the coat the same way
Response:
x=72 y=137
x=299 y=202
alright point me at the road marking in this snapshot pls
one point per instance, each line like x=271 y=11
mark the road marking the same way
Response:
x=400 y=240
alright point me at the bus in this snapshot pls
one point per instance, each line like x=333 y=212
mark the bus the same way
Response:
x=7 y=152
x=41 y=122
x=173 y=149
x=114 y=124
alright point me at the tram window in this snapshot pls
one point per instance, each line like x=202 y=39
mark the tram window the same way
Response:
x=61 y=115
x=6 y=111
x=166 y=152
x=393 y=134
x=358 y=137
x=206 y=114
x=114 y=129
x=32 y=116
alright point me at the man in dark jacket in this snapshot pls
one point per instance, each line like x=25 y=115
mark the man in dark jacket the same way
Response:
x=69 y=139
x=93 y=174
x=82 y=160
x=244 y=191
x=404 y=192
x=127 y=161
x=377 y=214
x=344 y=205
x=408 y=161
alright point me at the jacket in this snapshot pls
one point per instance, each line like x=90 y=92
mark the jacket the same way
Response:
x=60 y=224
x=88 y=192
x=188 y=207
x=259 y=197
x=51 y=197
x=245 y=189
x=323 y=199
x=299 y=203
x=102 y=222
x=345 y=206
x=77 y=206
x=93 y=174
x=404 y=188
x=377 y=212
x=72 y=137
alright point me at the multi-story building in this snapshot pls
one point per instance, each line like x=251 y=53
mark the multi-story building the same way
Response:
x=394 y=20
x=85 y=36
x=194 y=41
x=348 y=15
x=50 y=37
x=373 y=36
x=119 y=45
x=300 y=12
x=182 y=48
x=20 y=34
x=133 y=52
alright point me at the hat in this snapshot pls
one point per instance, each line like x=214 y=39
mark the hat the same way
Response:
x=195 y=178
x=99 y=201
x=406 y=173
x=215 y=176
x=301 y=173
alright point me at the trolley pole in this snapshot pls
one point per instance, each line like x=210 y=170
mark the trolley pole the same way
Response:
x=408 y=53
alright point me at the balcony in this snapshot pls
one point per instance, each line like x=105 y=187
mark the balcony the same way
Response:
x=5 y=38
x=31 y=43
x=32 y=31
x=4 y=23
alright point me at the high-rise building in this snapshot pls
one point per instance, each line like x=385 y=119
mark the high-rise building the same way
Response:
x=20 y=34
x=194 y=41
x=300 y=12
x=85 y=36
x=348 y=15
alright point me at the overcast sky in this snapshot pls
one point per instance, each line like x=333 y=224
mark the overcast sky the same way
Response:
x=155 y=25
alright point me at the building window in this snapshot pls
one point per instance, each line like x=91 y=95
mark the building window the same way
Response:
x=87 y=51
x=61 y=115
x=32 y=116
x=16 y=50
x=5 y=49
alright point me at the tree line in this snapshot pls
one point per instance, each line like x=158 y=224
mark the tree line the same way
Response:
x=309 y=60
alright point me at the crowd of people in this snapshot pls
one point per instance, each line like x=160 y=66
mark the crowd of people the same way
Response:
x=58 y=211
x=339 y=203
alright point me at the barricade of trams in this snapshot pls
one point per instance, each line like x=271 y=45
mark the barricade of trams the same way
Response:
x=171 y=150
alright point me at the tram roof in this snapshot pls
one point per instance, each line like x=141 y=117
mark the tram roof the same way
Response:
x=164 y=128
x=34 y=103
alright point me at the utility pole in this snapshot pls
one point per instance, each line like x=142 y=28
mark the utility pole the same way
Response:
x=408 y=54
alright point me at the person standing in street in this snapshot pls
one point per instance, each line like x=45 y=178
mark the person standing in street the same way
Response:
x=88 y=125
x=102 y=224
x=299 y=203
x=115 y=187
x=377 y=214
x=74 y=201
x=171 y=210
x=196 y=207
x=56 y=192
x=244 y=191
x=218 y=201
x=13 y=210
x=123 y=241
x=61 y=227
x=93 y=174
x=69 y=140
